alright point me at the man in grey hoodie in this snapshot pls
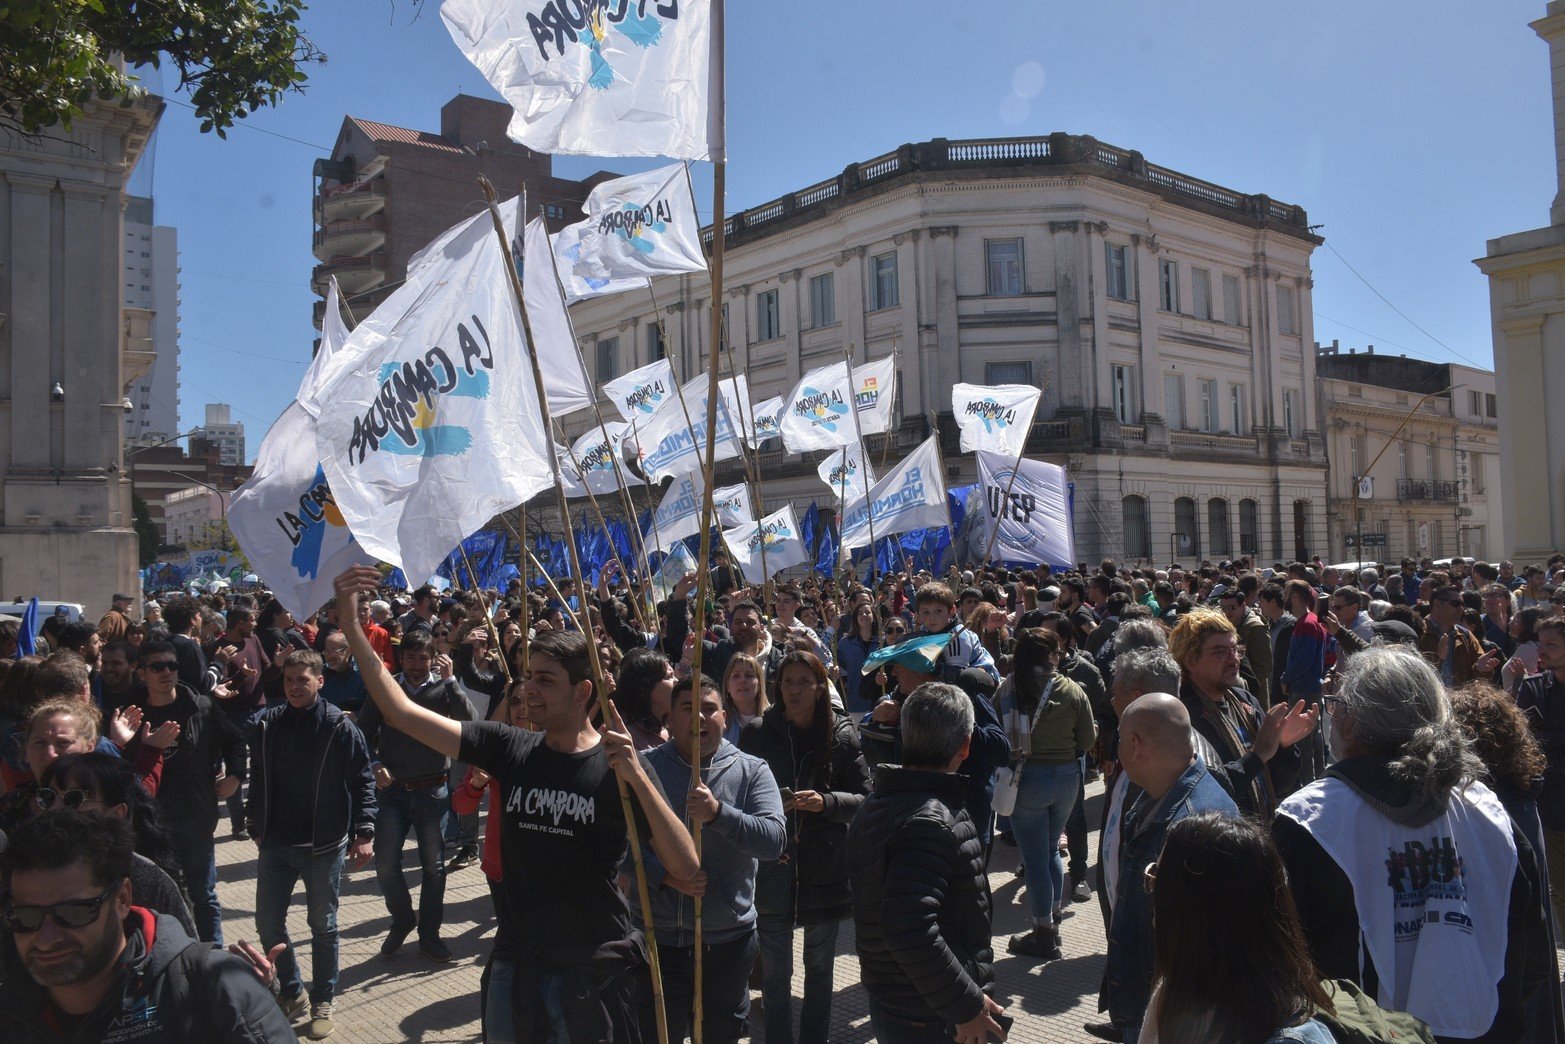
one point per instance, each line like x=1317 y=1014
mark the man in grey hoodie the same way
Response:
x=741 y=812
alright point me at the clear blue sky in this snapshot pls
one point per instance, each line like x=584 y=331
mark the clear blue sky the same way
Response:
x=1412 y=131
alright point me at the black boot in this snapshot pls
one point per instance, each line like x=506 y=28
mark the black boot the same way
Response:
x=1040 y=942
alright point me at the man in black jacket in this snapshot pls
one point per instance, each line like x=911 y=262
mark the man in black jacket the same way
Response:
x=312 y=801
x=920 y=897
x=78 y=954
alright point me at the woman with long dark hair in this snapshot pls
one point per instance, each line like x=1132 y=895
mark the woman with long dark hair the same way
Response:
x=1231 y=964
x=813 y=753
x=643 y=691
x=853 y=648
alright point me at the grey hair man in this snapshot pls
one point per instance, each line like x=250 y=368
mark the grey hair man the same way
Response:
x=1436 y=873
x=920 y=895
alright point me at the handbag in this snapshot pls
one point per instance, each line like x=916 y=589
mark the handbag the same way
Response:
x=1008 y=780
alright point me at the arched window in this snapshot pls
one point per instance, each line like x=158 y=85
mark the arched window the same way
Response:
x=1138 y=536
x=1249 y=528
x=1187 y=538
x=1218 y=537
x=1301 y=530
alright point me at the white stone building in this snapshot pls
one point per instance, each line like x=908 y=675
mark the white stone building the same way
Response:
x=151 y=283
x=227 y=434
x=1167 y=320
x=194 y=515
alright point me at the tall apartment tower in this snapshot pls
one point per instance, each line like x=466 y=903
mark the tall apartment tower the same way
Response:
x=387 y=191
x=224 y=433
x=151 y=283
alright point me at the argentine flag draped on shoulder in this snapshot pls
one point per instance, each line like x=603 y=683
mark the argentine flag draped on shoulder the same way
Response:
x=285 y=517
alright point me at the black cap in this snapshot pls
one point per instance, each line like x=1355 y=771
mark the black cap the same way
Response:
x=1395 y=632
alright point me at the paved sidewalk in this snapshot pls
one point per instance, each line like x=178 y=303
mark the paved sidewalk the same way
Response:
x=410 y=998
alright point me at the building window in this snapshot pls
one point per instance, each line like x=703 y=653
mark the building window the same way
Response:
x=1187 y=541
x=768 y=322
x=1301 y=530
x=1287 y=310
x=1138 y=535
x=1490 y=406
x=608 y=361
x=1475 y=403
x=1290 y=416
x=1217 y=535
x=1475 y=470
x=1249 y=528
x=1356 y=451
x=883 y=281
x=1008 y=373
x=1168 y=285
x=1201 y=290
x=1118 y=271
x=656 y=349
x=1236 y=417
x=1208 y=405
x=1402 y=460
x=1429 y=462
x=1174 y=399
x=1124 y=393
x=1003 y=260
x=823 y=300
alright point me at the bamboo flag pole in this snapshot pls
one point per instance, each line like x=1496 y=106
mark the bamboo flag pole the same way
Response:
x=602 y=520
x=642 y=890
x=858 y=429
x=523 y=622
x=483 y=607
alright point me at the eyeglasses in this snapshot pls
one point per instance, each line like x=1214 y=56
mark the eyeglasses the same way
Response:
x=1149 y=878
x=1338 y=700
x=70 y=800
x=73 y=913
x=161 y=666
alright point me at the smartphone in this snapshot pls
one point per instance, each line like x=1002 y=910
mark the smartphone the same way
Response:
x=786 y=792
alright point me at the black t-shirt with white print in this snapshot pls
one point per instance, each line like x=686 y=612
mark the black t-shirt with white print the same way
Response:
x=562 y=839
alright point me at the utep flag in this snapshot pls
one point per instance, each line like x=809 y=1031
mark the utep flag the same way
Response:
x=434 y=424
x=678 y=516
x=816 y=413
x=639 y=393
x=847 y=474
x=731 y=505
x=284 y=517
x=589 y=463
x=995 y=418
x=598 y=77
x=780 y=534
x=667 y=444
x=764 y=421
x=1034 y=518
x=911 y=496
x=639 y=226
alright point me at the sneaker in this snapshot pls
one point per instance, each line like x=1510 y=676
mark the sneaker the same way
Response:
x=1040 y=942
x=320 y=1026
x=1105 y=1031
x=436 y=950
x=240 y=833
x=465 y=857
x=394 y=939
x=1082 y=892
x=293 y=1007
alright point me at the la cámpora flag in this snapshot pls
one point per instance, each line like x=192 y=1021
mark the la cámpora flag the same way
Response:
x=994 y=418
x=593 y=463
x=639 y=393
x=600 y=79
x=434 y=425
x=911 y=496
x=580 y=277
x=764 y=420
x=778 y=533
x=284 y=516
x=677 y=516
x=670 y=443
x=818 y=412
x=848 y=475
x=636 y=227
x=1032 y=512
x=731 y=505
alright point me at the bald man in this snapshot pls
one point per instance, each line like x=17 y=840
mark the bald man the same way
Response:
x=1159 y=756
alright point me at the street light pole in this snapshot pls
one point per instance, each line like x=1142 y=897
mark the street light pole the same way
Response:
x=1394 y=435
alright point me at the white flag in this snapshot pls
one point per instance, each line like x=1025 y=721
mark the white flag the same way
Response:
x=731 y=505
x=591 y=460
x=564 y=378
x=668 y=443
x=433 y=424
x=639 y=393
x=817 y=413
x=996 y=417
x=1032 y=511
x=598 y=79
x=848 y=476
x=284 y=516
x=678 y=516
x=778 y=533
x=764 y=423
x=911 y=496
x=640 y=226
x=581 y=276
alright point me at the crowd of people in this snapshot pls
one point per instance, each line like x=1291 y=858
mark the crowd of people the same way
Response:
x=1333 y=803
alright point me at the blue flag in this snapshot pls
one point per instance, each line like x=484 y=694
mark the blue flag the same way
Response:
x=27 y=636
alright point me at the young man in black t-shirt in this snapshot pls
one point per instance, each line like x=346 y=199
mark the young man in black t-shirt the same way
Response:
x=566 y=959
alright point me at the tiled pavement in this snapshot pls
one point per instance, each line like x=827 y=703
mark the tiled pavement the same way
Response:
x=407 y=997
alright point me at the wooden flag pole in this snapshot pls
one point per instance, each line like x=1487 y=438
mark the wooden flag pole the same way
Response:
x=483 y=606
x=523 y=621
x=858 y=429
x=643 y=893
x=602 y=520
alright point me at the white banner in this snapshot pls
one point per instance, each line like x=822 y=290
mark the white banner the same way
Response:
x=580 y=276
x=678 y=516
x=817 y=413
x=911 y=496
x=764 y=424
x=848 y=476
x=598 y=79
x=779 y=533
x=995 y=418
x=564 y=377
x=731 y=505
x=284 y=516
x=588 y=465
x=669 y=444
x=433 y=425
x=639 y=226
x=1033 y=511
x=639 y=393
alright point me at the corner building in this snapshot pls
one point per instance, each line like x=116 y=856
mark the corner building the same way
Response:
x=1166 y=319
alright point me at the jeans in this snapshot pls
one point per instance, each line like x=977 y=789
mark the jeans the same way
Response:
x=197 y=855
x=725 y=990
x=820 y=947
x=499 y=1016
x=279 y=868
x=1554 y=853
x=424 y=812
x=1076 y=827
x=1043 y=802
x=894 y=1029
x=244 y=721
x=462 y=831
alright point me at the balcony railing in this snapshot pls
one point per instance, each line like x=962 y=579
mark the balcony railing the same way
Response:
x=1426 y=489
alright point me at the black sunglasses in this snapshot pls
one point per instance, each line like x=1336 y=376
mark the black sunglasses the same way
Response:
x=73 y=913
x=70 y=800
x=161 y=665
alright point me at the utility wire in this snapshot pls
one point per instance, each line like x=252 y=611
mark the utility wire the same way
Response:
x=1456 y=354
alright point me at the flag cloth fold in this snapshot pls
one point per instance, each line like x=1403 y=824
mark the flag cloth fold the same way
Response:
x=564 y=377
x=598 y=79
x=579 y=277
x=848 y=476
x=817 y=413
x=995 y=418
x=779 y=533
x=911 y=496
x=1033 y=517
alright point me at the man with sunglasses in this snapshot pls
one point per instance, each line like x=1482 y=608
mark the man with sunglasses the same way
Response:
x=88 y=965
x=1455 y=651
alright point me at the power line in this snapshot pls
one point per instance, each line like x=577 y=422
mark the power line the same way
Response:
x=253 y=355
x=1456 y=354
